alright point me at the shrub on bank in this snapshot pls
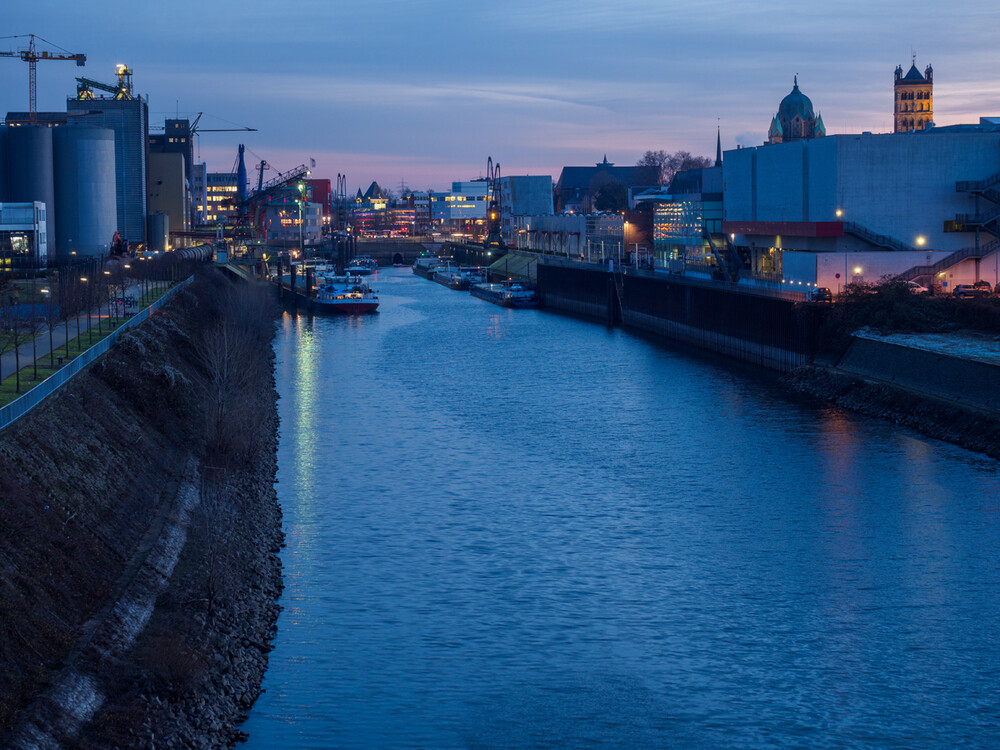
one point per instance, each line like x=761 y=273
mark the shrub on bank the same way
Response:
x=888 y=306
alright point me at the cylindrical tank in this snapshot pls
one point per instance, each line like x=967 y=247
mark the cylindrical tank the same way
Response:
x=159 y=230
x=3 y=163
x=86 y=208
x=30 y=176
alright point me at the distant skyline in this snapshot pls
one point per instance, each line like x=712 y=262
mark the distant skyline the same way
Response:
x=425 y=92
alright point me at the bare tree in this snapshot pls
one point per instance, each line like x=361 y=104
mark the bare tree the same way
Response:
x=670 y=164
x=21 y=326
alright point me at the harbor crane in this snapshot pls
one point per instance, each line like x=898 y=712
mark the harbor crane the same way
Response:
x=494 y=240
x=123 y=91
x=246 y=224
x=31 y=56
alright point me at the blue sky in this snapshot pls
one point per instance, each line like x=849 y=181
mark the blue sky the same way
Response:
x=424 y=91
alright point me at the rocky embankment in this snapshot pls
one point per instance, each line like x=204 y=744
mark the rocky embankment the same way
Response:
x=139 y=533
x=977 y=430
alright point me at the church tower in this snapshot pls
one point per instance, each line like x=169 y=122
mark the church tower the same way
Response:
x=913 y=98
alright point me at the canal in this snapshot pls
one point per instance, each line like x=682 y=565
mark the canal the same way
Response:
x=517 y=529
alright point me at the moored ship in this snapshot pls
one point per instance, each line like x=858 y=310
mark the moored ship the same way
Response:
x=461 y=278
x=363 y=265
x=346 y=294
x=506 y=294
x=426 y=266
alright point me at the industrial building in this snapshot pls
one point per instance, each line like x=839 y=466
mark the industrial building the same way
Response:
x=69 y=168
x=129 y=120
x=22 y=235
x=523 y=195
x=168 y=190
x=286 y=221
x=801 y=211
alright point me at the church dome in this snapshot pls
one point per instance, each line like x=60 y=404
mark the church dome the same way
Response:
x=796 y=103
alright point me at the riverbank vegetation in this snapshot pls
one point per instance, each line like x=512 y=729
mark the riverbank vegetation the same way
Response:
x=890 y=306
x=91 y=482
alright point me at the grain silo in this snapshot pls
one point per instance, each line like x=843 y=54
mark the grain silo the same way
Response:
x=3 y=163
x=86 y=208
x=29 y=170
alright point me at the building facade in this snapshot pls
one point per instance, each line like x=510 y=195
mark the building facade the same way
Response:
x=578 y=187
x=284 y=221
x=23 y=238
x=684 y=220
x=220 y=198
x=523 y=195
x=168 y=190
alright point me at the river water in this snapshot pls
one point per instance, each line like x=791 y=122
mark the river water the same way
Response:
x=518 y=529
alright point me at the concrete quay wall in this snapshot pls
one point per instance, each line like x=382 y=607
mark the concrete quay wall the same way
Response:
x=761 y=330
x=965 y=382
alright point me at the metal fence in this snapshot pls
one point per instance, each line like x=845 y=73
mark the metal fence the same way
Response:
x=21 y=406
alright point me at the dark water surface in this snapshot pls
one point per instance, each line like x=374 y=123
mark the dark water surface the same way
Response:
x=516 y=529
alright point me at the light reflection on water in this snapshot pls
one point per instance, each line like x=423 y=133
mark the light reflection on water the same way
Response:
x=514 y=529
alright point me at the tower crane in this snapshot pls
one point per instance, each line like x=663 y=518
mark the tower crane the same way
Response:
x=31 y=56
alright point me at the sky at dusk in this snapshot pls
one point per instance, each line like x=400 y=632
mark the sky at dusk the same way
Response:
x=423 y=92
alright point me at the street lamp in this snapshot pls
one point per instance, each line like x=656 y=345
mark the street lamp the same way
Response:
x=921 y=240
x=79 y=344
x=107 y=285
x=48 y=304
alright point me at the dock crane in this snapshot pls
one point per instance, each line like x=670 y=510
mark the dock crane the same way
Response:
x=248 y=224
x=494 y=240
x=123 y=91
x=31 y=56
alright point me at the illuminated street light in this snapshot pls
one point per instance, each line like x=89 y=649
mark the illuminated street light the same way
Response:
x=840 y=212
x=921 y=240
x=857 y=270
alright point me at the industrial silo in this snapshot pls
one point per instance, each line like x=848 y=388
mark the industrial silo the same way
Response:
x=29 y=170
x=3 y=163
x=86 y=207
x=159 y=230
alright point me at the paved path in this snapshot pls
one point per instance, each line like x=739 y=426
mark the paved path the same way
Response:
x=25 y=354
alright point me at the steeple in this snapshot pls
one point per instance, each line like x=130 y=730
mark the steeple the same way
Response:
x=718 y=146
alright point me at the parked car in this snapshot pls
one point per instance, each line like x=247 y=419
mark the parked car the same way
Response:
x=984 y=286
x=968 y=291
x=916 y=288
x=819 y=294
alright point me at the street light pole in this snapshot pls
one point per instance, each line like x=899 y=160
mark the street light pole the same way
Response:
x=301 y=244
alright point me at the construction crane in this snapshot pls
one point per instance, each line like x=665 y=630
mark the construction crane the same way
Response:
x=194 y=129
x=123 y=91
x=31 y=56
